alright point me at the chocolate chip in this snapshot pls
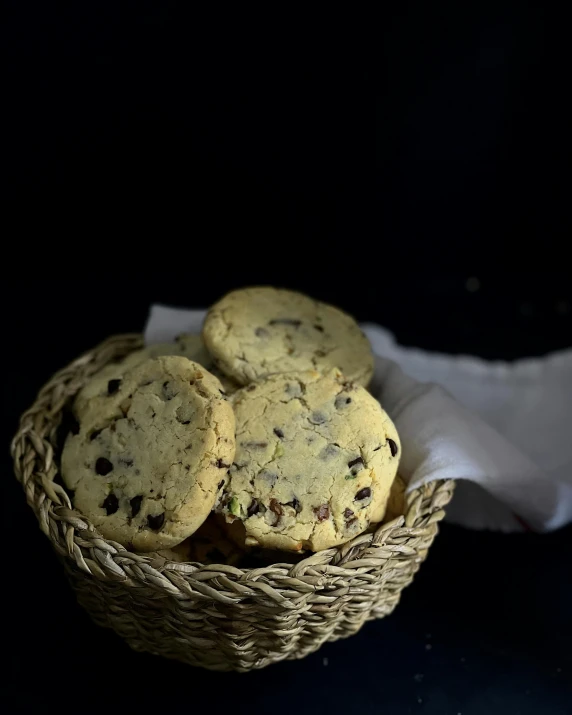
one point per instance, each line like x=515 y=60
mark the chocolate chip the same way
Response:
x=95 y=434
x=294 y=389
x=168 y=391
x=255 y=445
x=261 y=333
x=276 y=508
x=221 y=465
x=185 y=422
x=355 y=461
x=268 y=476
x=364 y=493
x=319 y=328
x=278 y=432
x=295 y=504
x=341 y=401
x=135 y=505
x=317 y=418
x=113 y=386
x=155 y=521
x=348 y=513
x=103 y=466
x=253 y=508
x=329 y=451
x=110 y=504
x=322 y=512
x=392 y=447
x=220 y=485
x=286 y=321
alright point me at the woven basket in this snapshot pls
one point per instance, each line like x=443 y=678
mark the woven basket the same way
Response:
x=217 y=616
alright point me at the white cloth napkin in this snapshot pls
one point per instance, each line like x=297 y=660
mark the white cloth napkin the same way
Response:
x=503 y=429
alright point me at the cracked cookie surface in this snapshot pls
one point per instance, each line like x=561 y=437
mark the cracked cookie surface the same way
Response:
x=187 y=345
x=255 y=332
x=152 y=455
x=316 y=456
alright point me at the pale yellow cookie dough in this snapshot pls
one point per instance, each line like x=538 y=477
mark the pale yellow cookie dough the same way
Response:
x=255 y=332
x=187 y=345
x=316 y=456
x=151 y=457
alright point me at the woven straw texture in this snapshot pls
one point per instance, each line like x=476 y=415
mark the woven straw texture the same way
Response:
x=217 y=616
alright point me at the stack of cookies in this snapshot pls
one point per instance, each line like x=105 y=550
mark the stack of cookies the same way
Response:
x=259 y=435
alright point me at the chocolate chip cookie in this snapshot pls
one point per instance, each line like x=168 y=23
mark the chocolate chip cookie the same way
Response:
x=152 y=455
x=210 y=544
x=315 y=459
x=396 y=501
x=188 y=345
x=255 y=332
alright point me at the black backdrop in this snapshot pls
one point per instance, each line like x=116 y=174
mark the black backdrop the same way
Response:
x=412 y=172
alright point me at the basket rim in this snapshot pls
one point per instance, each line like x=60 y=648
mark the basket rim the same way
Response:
x=34 y=450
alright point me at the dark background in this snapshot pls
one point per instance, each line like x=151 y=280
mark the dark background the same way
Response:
x=413 y=171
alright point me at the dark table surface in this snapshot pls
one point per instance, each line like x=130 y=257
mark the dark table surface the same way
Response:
x=151 y=159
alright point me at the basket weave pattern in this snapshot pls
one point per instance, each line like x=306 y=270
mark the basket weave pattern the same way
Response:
x=217 y=616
